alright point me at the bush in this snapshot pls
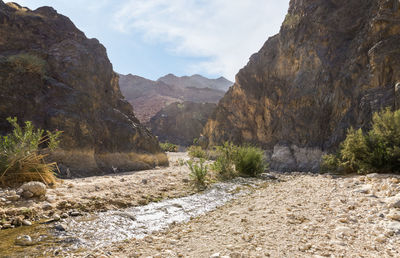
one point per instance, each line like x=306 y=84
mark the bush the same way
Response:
x=198 y=173
x=249 y=161
x=225 y=161
x=20 y=159
x=169 y=147
x=376 y=151
x=197 y=152
x=28 y=63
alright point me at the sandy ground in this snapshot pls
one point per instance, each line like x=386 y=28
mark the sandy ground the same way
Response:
x=105 y=192
x=303 y=215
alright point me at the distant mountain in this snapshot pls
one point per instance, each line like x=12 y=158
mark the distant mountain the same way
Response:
x=148 y=97
x=197 y=81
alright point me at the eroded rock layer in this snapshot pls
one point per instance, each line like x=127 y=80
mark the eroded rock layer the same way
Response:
x=331 y=66
x=51 y=74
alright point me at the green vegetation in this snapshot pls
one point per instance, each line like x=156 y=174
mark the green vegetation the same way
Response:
x=198 y=173
x=169 y=147
x=233 y=161
x=249 y=161
x=376 y=151
x=20 y=157
x=28 y=63
x=197 y=152
x=224 y=164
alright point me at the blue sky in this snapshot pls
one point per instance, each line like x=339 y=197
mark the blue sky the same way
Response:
x=151 y=38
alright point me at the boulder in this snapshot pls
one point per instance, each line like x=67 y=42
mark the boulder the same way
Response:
x=32 y=189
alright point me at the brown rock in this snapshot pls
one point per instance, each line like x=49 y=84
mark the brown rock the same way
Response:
x=51 y=74
x=331 y=66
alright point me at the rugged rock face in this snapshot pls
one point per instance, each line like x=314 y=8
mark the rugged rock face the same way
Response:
x=51 y=74
x=181 y=123
x=149 y=97
x=331 y=66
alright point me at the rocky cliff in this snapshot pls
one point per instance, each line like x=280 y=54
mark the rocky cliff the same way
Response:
x=181 y=123
x=149 y=97
x=333 y=63
x=51 y=74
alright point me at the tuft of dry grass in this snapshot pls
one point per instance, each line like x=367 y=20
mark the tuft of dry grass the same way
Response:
x=28 y=168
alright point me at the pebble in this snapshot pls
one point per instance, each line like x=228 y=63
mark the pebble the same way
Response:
x=216 y=255
x=56 y=217
x=74 y=213
x=24 y=241
x=64 y=215
x=61 y=227
x=144 y=181
x=7 y=225
x=26 y=223
x=47 y=206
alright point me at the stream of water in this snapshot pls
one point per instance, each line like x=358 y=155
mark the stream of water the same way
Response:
x=104 y=228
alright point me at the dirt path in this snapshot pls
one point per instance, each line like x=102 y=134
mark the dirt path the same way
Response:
x=300 y=216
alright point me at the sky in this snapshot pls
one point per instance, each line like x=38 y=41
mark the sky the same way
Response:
x=152 y=38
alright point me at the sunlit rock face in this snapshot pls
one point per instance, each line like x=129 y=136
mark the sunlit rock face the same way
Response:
x=331 y=66
x=51 y=74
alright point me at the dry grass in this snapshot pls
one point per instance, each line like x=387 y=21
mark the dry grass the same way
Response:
x=28 y=168
x=88 y=160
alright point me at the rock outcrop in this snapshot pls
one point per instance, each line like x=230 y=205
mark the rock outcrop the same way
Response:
x=181 y=123
x=331 y=66
x=51 y=74
x=149 y=97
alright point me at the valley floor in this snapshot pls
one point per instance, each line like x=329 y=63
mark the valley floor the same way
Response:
x=300 y=215
x=296 y=215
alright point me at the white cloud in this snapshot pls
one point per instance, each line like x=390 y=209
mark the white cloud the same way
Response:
x=225 y=31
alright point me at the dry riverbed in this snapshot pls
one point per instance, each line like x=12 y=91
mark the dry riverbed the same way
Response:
x=302 y=215
x=294 y=215
x=100 y=193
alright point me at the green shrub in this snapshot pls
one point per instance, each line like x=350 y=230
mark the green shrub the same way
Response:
x=198 y=173
x=249 y=161
x=225 y=161
x=169 y=147
x=20 y=157
x=28 y=63
x=376 y=151
x=197 y=152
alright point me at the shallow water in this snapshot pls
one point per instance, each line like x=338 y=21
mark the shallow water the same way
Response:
x=101 y=229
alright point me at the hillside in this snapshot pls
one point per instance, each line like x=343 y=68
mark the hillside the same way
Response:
x=331 y=66
x=51 y=74
x=149 y=97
